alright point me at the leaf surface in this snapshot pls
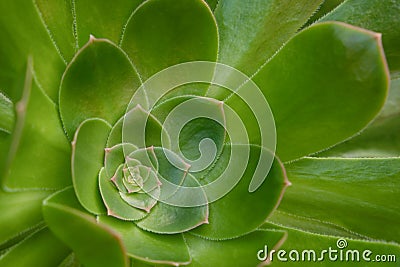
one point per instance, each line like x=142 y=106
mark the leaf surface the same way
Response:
x=99 y=82
x=94 y=244
x=252 y=33
x=240 y=251
x=381 y=138
x=103 y=19
x=347 y=197
x=318 y=103
x=376 y=15
x=34 y=251
x=20 y=214
x=38 y=140
x=162 y=33
x=18 y=43
x=240 y=211
x=7 y=116
x=87 y=160
x=58 y=19
x=150 y=247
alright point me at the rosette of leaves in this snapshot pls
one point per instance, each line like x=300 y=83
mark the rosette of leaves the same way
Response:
x=73 y=193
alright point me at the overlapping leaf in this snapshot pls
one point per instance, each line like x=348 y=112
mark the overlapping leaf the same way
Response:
x=338 y=196
x=316 y=110
x=94 y=244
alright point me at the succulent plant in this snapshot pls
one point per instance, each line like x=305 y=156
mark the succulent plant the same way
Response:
x=165 y=132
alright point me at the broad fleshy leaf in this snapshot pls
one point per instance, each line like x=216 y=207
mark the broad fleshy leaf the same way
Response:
x=87 y=160
x=240 y=251
x=5 y=140
x=70 y=261
x=58 y=19
x=168 y=219
x=34 y=251
x=332 y=195
x=99 y=82
x=18 y=43
x=150 y=247
x=240 y=211
x=381 y=138
x=103 y=19
x=23 y=209
x=326 y=7
x=212 y=4
x=316 y=109
x=252 y=33
x=170 y=23
x=94 y=244
x=375 y=15
x=187 y=141
x=38 y=140
x=7 y=116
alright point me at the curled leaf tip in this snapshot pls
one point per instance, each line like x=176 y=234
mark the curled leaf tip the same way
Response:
x=91 y=38
x=138 y=107
x=110 y=213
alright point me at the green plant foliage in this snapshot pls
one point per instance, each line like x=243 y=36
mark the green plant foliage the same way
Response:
x=197 y=133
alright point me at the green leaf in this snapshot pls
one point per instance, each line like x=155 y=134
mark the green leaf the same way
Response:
x=103 y=19
x=116 y=206
x=149 y=247
x=186 y=141
x=19 y=43
x=318 y=103
x=87 y=160
x=41 y=248
x=7 y=116
x=381 y=138
x=162 y=33
x=343 y=196
x=70 y=261
x=326 y=7
x=5 y=141
x=94 y=244
x=375 y=15
x=303 y=242
x=240 y=211
x=240 y=251
x=99 y=82
x=167 y=219
x=252 y=33
x=115 y=156
x=38 y=140
x=20 y=213
x=212 y=4
x=115 y=136
x=58 y=20
x=142 y=129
